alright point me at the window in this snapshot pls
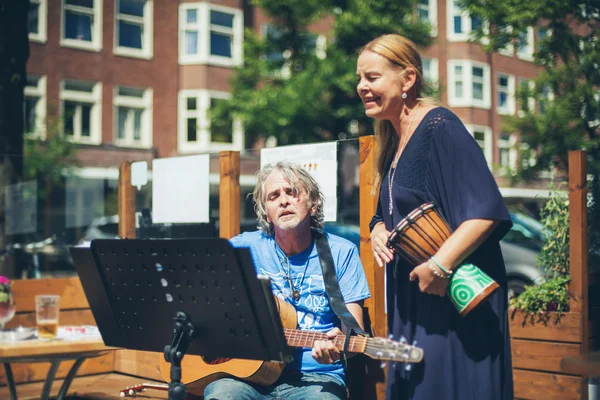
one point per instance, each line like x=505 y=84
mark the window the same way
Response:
x=431 y=72
x=82 y=24
x=525 y=46
x=509 y=48
x=81 y=106
x=543 y=34
x=210 y=34
x=195 y=131
x=427 y=12
x=35 y=106
x=469 y=84
x=508 y=153
x=526 y=88
x=546 y=97
x=528 y=157
x=460 y=24
x=133 y=28
x=37 y=20
x=506 y=94
x=133 y=117
x=483 y=137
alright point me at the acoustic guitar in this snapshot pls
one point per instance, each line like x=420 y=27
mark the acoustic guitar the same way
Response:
x=198 y=372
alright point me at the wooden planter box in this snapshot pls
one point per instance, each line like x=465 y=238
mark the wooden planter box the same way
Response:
x=537 y=347
x=539 y=343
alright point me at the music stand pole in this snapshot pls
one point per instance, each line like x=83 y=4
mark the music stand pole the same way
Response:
x=174 y=353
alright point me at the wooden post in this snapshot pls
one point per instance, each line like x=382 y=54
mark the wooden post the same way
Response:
x=375 y=305
x=126 y=195
x=229 y=194
x=578 y=249
x=578 y=246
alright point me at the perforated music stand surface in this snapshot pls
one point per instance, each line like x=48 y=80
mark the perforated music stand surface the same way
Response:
x=146 y=282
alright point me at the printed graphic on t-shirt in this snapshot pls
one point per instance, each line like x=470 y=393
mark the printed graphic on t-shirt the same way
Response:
x=313 y=300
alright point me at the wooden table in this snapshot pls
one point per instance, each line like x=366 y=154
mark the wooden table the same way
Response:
x=585 y=364
x=53 y=351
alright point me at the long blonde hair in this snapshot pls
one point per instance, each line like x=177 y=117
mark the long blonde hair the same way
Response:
x=401 y=53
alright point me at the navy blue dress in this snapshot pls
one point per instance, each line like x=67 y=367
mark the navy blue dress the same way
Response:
x=465 y=357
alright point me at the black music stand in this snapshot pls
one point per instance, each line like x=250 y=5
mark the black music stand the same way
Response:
x=221 y=307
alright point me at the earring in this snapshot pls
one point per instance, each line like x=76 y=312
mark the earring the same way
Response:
x=404 y=95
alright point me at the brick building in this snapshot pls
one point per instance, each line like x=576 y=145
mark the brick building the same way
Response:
x=133 y=80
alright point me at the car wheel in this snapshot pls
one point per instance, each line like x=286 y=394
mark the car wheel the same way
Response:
x=516 y=286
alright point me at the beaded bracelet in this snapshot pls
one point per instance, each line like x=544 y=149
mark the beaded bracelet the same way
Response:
x=435 y=272
x=444 y=270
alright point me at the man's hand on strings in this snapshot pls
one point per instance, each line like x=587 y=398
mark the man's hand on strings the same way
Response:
x=324 y=351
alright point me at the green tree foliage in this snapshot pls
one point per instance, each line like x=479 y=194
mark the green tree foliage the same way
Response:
x=287 y=90
x=567 y=92
x=52 y=159
x=552 y=295
x=554 y=256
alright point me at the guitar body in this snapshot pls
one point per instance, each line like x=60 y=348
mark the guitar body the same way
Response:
x=197 y=373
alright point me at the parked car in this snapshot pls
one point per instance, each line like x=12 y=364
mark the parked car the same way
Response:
x=520 y=246
x=101 y=228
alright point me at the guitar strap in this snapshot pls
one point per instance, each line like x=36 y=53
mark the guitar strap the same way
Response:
x=332 y=287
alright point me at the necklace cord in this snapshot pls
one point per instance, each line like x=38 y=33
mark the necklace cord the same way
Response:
x=288 y=273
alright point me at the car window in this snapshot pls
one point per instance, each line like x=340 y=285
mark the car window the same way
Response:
x=109 y=229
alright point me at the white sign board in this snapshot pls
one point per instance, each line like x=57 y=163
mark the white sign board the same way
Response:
x=180 y=189
x=319 y=159
x=21 y=208
x=139 y=174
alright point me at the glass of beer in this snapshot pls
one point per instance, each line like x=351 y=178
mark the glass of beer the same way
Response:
x=47 y=308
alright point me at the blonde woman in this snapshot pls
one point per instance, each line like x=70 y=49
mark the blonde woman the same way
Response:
x=427 y=155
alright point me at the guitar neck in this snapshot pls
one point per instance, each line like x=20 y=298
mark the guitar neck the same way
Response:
x=297 y=338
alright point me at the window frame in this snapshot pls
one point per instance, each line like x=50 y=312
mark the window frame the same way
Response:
x=452 y=10
x=203 y=142
x=96 y=43
x=95 y=99
x=42 y=35
x=546 y=97
x=39 y=91
x=488 y=148
x=509 y=109
x=204 y=29
x=433 y=17
x=145 y=103
x=147 y=50
x=530 y=99
x=468 y=80
x=509 y=144
x=434 y=71
x=529 y=48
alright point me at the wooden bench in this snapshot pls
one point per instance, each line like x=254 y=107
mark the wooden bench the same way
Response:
x=110 y=372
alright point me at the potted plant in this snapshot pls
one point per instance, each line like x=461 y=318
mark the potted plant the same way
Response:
x=551 y=295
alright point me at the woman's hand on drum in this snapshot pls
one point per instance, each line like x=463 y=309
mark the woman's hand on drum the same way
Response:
x=428 y=282
x=379 y=238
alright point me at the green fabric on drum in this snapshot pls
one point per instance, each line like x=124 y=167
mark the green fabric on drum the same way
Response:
x=467 y=283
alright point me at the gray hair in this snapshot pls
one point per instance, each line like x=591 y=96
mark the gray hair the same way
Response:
x=300 y=179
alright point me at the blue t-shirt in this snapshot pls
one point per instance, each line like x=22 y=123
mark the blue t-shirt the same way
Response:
x=312 y=308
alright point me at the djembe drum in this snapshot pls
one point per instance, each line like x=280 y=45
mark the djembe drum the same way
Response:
x=419 y=236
